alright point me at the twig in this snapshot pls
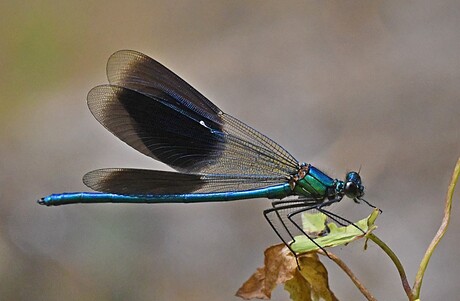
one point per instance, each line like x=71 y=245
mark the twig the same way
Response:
x=350 y=274
x=441 y=231
x=397 y=263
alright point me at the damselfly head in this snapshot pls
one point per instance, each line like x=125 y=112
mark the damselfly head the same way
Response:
x=353 y=187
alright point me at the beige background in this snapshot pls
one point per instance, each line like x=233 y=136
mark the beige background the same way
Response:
x=340 y=84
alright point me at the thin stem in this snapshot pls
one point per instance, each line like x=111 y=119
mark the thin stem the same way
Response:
x=441 y=231
x=350 y=274
x=397 y=263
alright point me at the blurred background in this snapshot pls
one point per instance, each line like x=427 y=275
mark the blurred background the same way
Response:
x=342 y=85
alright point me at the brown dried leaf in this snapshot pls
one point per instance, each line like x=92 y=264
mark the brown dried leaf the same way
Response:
x=254 y=287
x=299 y=289
x=308 y=283
x=280 y=266
x=315 y=273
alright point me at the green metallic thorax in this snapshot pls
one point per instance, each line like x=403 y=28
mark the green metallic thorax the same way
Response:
x=312 y=183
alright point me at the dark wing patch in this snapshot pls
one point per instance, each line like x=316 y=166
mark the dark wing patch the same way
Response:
x=172 y=136
x=159 y=114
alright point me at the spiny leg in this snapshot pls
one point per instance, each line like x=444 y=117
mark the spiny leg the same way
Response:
x=319 y=208
x=291 y=216
x=336 y=218
x=304 y=205
x=266 y=213
x=358 y=200
x=283 y=205
x=332 y=217
x=274 y=206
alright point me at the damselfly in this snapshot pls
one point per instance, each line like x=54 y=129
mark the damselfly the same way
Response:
x=218 y=157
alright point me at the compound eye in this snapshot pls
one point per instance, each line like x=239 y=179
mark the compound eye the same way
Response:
x=354 y=177
x=351 y=190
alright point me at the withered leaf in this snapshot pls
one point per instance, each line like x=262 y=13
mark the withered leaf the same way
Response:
x=279 y=267
x=308 y=283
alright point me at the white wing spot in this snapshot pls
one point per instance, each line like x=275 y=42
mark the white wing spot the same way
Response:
x=204 y=124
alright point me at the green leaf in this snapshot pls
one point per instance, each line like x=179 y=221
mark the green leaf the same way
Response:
x=316 y=224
